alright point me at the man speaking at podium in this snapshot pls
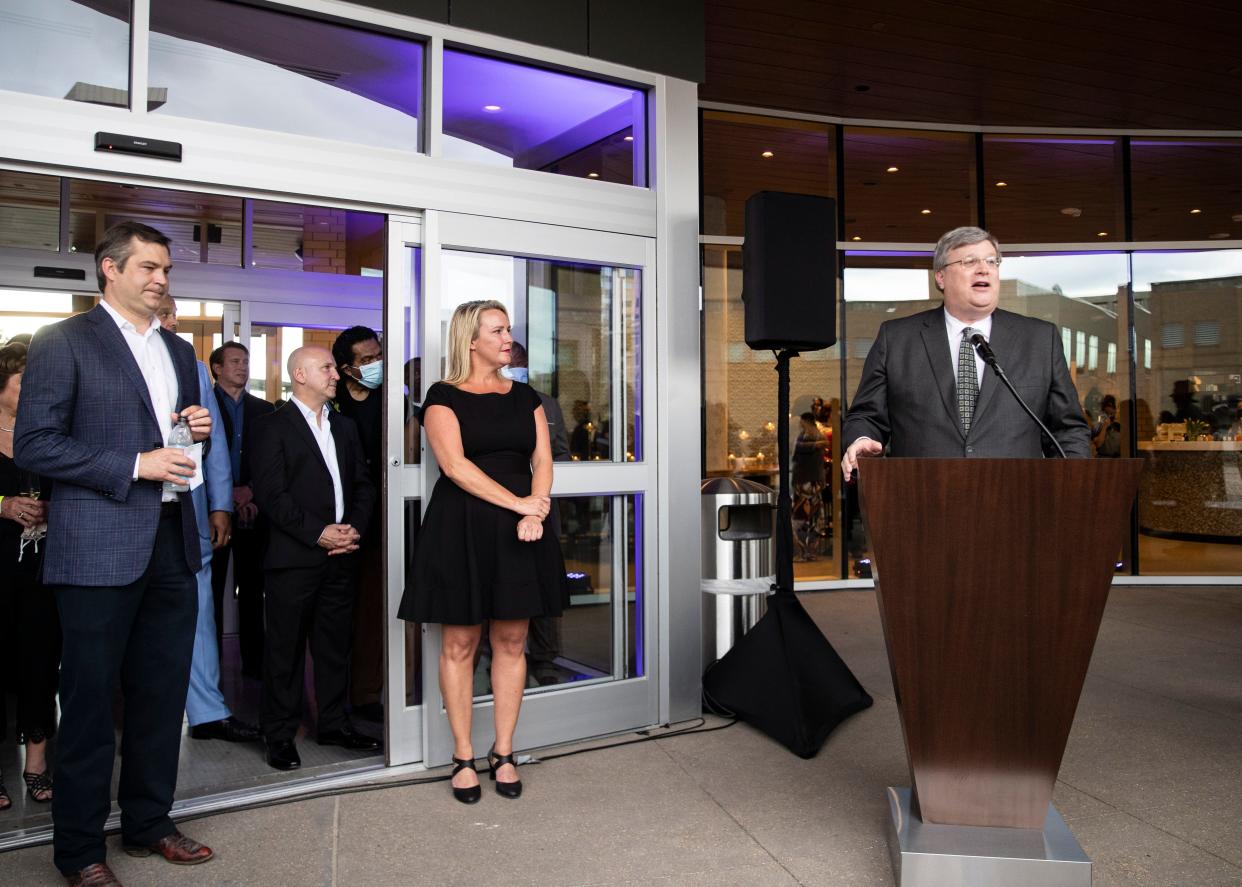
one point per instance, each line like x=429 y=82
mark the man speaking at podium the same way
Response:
x=924 y=392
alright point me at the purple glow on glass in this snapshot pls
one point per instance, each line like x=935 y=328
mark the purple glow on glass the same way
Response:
x=545 y=114
x=887 y=253
x=1046 y=140
x=637 y=321
x=639 y=659
x=385 y=69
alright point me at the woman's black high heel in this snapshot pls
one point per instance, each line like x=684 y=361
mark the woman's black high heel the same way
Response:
x=466 y=795
x=494 y=763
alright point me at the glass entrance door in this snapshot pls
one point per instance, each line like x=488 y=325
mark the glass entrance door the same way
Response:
x=576 y=303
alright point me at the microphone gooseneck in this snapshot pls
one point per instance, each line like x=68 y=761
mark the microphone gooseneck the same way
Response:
x=985 y=351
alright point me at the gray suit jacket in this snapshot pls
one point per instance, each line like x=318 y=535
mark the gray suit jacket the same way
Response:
x=907 y=397
x=84 y=415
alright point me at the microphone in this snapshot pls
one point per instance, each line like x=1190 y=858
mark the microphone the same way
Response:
x=985 y=351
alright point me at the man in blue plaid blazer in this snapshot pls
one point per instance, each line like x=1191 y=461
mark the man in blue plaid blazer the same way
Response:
x=100 y=396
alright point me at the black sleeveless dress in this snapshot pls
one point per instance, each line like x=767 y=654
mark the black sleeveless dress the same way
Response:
x=469 y=564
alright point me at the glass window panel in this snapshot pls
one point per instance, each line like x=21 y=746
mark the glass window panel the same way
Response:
x=509 y=114
x=88 y=41
x=598 y=634
x=298 y=74
x=189 y=218
x=1053 y=189
x=29 y=210
x=1082 y=293
x=930 y=188
x=746 y=153
x=296 y=237
x=562 y=312
x=1186 y=189
x=739 y=394
x=1189 y=432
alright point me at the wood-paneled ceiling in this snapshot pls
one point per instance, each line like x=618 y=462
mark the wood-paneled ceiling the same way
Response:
x=1048 y=63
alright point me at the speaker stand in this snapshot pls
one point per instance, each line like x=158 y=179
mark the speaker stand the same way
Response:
x=784 y=502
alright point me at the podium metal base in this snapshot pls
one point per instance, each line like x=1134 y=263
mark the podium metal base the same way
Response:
x=928 y=855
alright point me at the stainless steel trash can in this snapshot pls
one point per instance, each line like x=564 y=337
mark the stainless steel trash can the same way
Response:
x=739 y=559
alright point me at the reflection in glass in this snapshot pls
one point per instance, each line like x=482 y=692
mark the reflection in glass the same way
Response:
x=66 y=49
x=740 y=414
x=1186 y=189
x=413 y=631
x=203 y=228
x=297 y=237
x=1081 y=294
x=1188 y=411
x=746 y=153
x=1056 y=189
x=29 y=210
x=907 y=186
x=565 y=314
x=509 y=114
x=598 y=635
x=298 y=74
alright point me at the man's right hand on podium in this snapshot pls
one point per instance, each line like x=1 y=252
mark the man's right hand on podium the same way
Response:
x=864 y=446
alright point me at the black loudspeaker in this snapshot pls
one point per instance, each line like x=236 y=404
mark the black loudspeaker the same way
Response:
x=784 y=678
x=789 y=271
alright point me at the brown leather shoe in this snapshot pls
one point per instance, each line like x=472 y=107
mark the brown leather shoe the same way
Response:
x=95 y=875
x=176 y=848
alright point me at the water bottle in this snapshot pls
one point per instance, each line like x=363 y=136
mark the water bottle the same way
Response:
x=180 y=437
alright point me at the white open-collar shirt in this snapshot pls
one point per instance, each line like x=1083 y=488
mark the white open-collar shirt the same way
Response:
x=321 y=428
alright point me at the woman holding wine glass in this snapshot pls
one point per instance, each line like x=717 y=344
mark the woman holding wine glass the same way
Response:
x=24 y=601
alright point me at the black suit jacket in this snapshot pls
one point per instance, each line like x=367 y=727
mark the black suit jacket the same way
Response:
x=907 y=396
x=294 y=489
x=252 y=408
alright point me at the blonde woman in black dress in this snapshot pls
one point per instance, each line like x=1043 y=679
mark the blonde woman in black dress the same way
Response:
x=482 y=554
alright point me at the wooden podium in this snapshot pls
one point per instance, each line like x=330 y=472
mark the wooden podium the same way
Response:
x=991 y=578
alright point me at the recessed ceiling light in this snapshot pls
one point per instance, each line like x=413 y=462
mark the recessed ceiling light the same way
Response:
x=1002 y=184
x=891 y=169
x=491 y=109
x=926 y=212
x=855 y=237
x=1101 y=234
x=592 y=175
x=766 y=154
x=1195 y=212
x=1237 y=217
x=1071 y=211
x=629 y=138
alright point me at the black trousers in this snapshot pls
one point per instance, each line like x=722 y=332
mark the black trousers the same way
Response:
x=141 y=635
x=246 y=548
x=315 y=604
x=32 y=664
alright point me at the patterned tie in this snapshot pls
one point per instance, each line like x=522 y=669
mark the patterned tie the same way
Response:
x=967 y=379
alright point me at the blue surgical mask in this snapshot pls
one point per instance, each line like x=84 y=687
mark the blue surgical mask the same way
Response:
x=372 y=374
x=517 y=374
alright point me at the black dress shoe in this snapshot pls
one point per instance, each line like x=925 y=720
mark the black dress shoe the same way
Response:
x=283 y=754
x=229 y=729
x=346 y=737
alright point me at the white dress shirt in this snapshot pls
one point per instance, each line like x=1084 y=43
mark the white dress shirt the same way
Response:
x=954 y=328
x=155 y=363
x=321 y=428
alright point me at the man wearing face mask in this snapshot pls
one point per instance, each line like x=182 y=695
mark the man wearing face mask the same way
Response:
x=360 y=361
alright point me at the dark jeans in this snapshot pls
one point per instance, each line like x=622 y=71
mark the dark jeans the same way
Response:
x=141 y=635
x=302 y=603
x=247 y=549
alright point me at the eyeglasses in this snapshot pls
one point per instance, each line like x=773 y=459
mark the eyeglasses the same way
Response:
x=970 y=263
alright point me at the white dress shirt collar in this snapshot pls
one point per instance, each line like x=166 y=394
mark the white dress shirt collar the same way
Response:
x=954 y=328
x=321 y=429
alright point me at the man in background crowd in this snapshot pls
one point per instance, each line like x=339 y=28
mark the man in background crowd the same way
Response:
x=239 y=411
x=205 y=709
